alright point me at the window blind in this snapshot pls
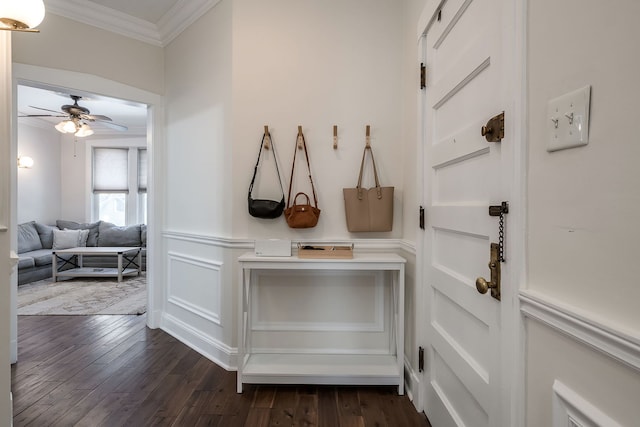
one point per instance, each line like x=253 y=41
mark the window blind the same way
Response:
x=142 y=170
x=110 y=170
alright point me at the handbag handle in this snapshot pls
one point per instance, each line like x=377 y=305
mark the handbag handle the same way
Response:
x=300 y=138
x=266 y=135
x=375 y=173
x=296 y=198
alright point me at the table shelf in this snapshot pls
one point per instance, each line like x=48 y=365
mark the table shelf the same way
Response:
x=341 y=369
x=318 y=368
x=96 y=272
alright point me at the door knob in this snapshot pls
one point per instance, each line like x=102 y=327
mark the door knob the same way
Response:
x=483 y=285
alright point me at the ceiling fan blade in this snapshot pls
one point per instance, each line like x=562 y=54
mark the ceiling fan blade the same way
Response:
x=46 y=109
x=113 y=125
x=93 y=117
x=40 y=115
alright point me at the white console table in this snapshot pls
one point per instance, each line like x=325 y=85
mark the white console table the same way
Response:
x=343 y=369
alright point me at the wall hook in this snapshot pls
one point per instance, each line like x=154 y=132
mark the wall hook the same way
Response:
x=368 y=137
x=300 y=146
x=335 y=137
x=267 y=138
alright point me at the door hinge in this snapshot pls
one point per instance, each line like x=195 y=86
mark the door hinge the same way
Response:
x=421 y=217
x=420 y=359
x=423 y=76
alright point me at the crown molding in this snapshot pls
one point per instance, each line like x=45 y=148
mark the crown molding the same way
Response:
x=181 y=15
x=105 y=18
x=176 y=20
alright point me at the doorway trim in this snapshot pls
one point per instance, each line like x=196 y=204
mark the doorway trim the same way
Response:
x=31 y=75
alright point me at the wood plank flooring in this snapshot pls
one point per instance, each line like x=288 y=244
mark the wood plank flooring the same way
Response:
x=113 y=371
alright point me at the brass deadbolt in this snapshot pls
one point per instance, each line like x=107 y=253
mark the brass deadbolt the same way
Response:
x=483 y=285
x=493 y=131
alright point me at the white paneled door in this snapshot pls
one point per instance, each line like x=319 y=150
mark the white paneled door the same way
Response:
x=463 y=48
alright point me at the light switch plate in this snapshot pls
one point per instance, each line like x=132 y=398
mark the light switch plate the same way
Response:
x=568 y=120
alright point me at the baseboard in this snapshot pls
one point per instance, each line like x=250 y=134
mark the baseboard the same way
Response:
x=412 y=386
x=209 y=347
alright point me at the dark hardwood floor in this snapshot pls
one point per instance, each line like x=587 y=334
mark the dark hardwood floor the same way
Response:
x=113 y=371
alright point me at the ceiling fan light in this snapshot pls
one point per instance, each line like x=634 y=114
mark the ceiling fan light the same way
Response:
x=84 y=130
x=21 y=14
x=60 y=127
x=66 y=126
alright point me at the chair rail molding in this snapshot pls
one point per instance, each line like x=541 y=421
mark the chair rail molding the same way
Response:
x=248 y=244
x=582 y=327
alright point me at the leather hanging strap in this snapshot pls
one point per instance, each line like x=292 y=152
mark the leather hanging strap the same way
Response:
x=266 y=137
x=375 y=173
x=301 y=141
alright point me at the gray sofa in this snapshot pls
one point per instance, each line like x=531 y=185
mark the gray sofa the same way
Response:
x=36 y=242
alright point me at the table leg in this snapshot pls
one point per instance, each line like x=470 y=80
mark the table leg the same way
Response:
x=119 y=266
x=241 y=335
x=54 y=266
x=400 y=327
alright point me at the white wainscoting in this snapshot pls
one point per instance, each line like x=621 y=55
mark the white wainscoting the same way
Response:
x=572 y=410
x=195 y=285
x=193 y=304
x=582 y=327
x=204 y=321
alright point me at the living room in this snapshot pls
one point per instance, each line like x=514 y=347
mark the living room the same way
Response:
x=98 y=180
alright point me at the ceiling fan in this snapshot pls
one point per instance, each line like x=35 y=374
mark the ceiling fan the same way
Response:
x=76 y=118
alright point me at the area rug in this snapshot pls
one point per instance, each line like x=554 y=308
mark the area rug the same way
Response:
x=84 y=296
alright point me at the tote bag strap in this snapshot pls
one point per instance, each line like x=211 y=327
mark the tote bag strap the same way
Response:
x=375 y=173
x=266 y=135
x=300 y=138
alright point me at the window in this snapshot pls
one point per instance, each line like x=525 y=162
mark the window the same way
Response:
x=142 y=184
x=120 y=185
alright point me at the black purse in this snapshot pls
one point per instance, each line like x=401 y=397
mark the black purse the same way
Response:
x=264 y=208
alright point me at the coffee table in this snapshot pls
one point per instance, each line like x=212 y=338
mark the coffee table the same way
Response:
x=129 y=262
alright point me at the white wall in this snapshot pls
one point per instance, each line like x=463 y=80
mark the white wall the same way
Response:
x=247 y=64
x=65 y=44
x=584 y=203
x=198 y=112
x=39 y=188
x=6 y=158
x=317 y=64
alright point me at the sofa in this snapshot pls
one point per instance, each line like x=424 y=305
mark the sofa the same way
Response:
x=37 y=241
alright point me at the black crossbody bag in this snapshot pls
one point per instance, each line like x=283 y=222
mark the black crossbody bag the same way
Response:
x=264 y=208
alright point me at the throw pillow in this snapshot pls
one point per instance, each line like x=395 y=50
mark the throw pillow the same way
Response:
x=65 y=239
x=46 y=234
x=112 y=235
x=28 y=237
x=92 y=240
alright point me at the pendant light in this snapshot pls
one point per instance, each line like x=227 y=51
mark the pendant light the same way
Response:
x=21 y=15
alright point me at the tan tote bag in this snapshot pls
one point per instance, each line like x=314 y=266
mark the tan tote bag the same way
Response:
x=368 y=209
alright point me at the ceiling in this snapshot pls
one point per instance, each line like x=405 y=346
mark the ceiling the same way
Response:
x=147 y=10
x=132 y=115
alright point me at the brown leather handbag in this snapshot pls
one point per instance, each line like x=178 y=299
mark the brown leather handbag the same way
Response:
x=302 y=215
